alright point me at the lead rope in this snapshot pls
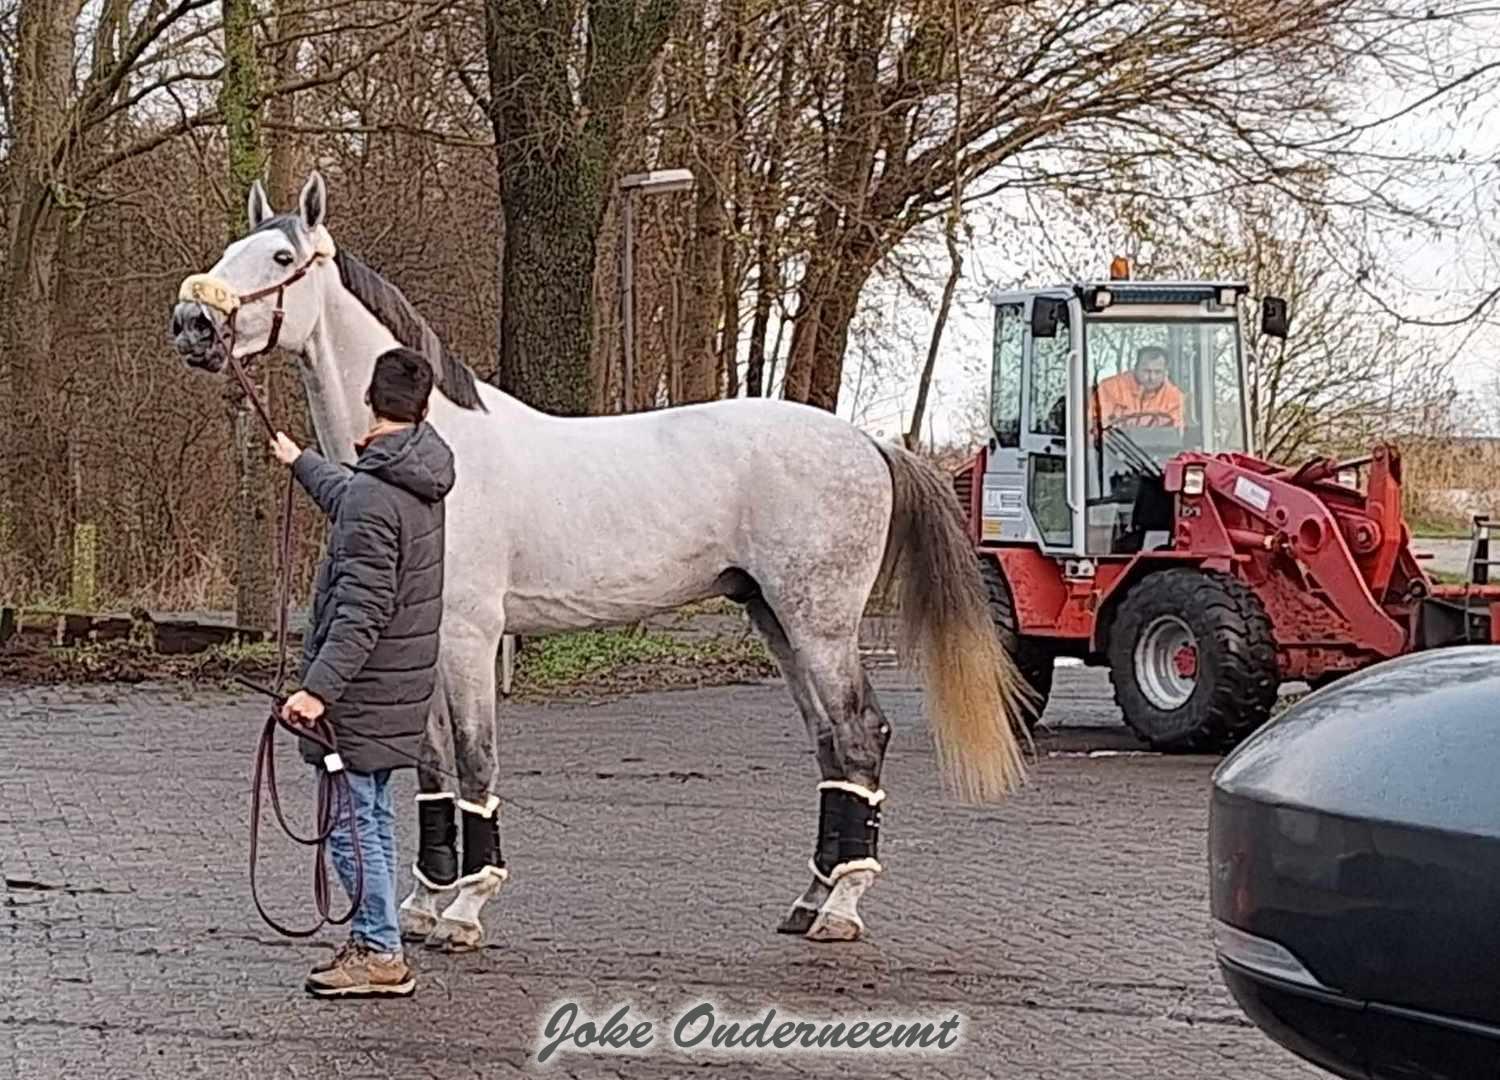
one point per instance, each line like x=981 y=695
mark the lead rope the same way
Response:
x=335 y=796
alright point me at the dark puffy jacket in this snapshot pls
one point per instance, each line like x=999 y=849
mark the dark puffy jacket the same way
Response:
x=371 y=649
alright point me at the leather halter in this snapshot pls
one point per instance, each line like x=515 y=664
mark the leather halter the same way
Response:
x=260 y=294
x=207 y=291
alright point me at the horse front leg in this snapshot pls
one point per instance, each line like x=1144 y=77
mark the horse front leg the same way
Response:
x=469 y=677
x=435 y=872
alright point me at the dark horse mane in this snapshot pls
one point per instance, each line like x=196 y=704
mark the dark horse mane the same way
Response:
x=389 y=304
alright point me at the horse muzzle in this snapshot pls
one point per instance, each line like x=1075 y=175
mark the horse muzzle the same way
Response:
x=195 y=338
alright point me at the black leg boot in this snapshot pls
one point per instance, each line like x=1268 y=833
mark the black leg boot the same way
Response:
x=848 y=838
x=437 y=843
x=482 y=858
x=848 y=830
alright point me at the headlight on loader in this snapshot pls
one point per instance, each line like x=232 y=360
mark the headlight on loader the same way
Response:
x=1192 y=480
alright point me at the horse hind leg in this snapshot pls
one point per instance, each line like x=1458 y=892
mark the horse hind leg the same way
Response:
x=805 y=907
x=435 y=871
x=847 y=858
x=850 y=739
x=470 y=684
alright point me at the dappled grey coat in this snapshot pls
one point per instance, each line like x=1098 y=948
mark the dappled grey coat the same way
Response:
x=372 y=645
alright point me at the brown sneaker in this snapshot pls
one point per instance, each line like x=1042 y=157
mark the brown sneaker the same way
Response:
x=358 y=972
x=341 y=954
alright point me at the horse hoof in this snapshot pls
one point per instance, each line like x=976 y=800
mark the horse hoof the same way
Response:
x=830 y=927
x=798 y=921
x=450 y=935
x=416 y=925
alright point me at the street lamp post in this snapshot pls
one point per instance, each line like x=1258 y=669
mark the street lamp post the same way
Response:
x=656 y=182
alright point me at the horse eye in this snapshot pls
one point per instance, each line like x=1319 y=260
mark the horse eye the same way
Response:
x=283 y=258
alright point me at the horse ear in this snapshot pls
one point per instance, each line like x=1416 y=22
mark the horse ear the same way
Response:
x=259 y=208
x=314 y=200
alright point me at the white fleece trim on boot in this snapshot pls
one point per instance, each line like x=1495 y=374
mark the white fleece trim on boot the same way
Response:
x=485 y=810
x=475 y=878
x=416 y=872
x=830 y=879
x=434 y=796
x=874 y=798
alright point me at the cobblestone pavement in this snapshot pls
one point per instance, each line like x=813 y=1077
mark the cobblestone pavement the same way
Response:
x=1068 y=927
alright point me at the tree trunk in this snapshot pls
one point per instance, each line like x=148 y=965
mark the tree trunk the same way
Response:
x=729 y=335
x=729 y=257
x=282 y=183
x=829 y=293
x=42 y=96
x=829 y=299
x=700 y=361
x=239 y=98
x=556 y=161
x=768 y=196
x=547 y=317
x=924 y=384
x=837 y=313
x=767 y=280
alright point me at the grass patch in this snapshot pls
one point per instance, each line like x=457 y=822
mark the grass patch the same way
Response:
x=1434 y=528
x=592 y=660
x=132 y=661
x=595 y=663
x=1448 y=577
x=236 y=654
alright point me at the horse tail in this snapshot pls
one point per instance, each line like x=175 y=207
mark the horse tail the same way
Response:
x=975 y=694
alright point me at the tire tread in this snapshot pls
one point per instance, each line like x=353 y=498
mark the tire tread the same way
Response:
x=1223 y=611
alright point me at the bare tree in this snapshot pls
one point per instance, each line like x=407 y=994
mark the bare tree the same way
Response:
x=91 y=91
x=1067 y=95
x=240 y=104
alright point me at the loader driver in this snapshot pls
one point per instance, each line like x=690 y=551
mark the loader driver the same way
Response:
x=1141 y=397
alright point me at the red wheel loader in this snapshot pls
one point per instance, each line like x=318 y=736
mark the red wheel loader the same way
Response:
x=1120 y=517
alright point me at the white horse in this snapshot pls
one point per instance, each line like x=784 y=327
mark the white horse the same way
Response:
x=561 y=524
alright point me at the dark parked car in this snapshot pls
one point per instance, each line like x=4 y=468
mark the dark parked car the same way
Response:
x=1354 y=850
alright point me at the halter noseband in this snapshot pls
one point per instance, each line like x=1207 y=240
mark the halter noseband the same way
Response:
x=208 y=291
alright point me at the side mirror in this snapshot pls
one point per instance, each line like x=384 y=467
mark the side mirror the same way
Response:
x=1274 y=320
x=1046 y=313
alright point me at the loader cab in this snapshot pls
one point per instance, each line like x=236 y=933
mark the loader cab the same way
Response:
x=1095 y=386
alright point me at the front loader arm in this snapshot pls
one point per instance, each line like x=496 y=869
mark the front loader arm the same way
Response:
x=1295 y=523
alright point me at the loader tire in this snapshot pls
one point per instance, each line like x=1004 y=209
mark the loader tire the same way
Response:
x=1032 y=658
x=1192 y=658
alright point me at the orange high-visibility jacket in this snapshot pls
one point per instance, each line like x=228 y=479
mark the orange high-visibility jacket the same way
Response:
x=1121 y=395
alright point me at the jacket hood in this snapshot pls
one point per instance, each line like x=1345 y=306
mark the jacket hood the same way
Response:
x=415 y=459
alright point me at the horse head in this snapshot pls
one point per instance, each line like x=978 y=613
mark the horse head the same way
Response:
x=267 y=288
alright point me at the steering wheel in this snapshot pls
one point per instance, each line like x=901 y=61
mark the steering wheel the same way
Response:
x=1142 y=419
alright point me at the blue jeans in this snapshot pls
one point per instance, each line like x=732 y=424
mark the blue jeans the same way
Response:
x=374 y=924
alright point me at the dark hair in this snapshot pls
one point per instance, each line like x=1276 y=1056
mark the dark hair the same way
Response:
x=400 y=386
x=1149 y=350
